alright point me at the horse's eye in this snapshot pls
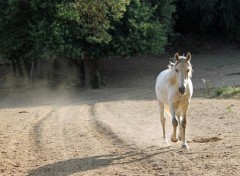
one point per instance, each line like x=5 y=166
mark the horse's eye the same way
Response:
x=188 y=70
x=176 y=70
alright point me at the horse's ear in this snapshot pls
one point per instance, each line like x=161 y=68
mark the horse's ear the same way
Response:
x=188 y=57
x=176 y=56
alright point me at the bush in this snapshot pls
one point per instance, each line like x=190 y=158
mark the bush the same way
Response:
x=228 y=92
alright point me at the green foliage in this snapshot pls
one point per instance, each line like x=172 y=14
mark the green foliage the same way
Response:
x=15 y=37
x=228 y=92
x=83 y=28
x=77 y=28
x=164 y=13
x=144 y=28
x=33 y=30
x=218 y=17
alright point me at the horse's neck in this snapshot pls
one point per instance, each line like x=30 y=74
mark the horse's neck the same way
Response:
x=171 y=75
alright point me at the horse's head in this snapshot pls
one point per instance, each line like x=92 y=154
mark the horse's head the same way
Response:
x=183 y=70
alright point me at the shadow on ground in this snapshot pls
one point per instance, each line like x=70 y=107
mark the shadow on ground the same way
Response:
x=78 y=165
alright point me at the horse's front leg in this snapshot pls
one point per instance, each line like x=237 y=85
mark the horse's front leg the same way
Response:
x=174 y=123
x=180 y=127
x=183 y=125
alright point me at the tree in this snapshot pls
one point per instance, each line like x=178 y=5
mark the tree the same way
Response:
x=86 y=30
x=16 y=41
x=77 y=29
x=144 y=28
x=218 y=17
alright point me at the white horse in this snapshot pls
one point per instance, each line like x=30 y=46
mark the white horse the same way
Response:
x=174 y=89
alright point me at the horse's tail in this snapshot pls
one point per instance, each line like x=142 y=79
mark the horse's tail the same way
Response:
x=167 y=110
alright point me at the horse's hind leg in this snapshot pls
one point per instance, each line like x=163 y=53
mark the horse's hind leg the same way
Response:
x=162 y=118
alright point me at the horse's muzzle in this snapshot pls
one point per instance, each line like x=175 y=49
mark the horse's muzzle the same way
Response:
x=182 y=90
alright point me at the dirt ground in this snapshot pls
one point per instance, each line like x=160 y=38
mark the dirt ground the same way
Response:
x=116 y=130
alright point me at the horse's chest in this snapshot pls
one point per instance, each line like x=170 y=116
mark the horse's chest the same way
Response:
x=180 y=101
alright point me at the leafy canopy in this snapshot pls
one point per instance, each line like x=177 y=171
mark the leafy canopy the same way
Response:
x=76 y=28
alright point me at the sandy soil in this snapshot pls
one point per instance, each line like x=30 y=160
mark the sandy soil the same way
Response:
x=116 y=130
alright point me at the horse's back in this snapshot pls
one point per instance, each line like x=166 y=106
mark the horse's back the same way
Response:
x=162 y=86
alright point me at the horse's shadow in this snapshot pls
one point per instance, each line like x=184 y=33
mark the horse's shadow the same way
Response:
x=78 y=165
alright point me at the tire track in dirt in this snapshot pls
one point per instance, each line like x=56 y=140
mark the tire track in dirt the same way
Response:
x=49 y=142
x=105 y=131
x=37 y=129
x=19 y=150
x=48 y=136
x=131 y=157
x=167 y=161
x=153 y=160
x=86 y=152
x=92 y=139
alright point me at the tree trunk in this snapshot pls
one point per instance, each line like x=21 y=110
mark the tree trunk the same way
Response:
x=82 y=73
x=14 y=67
x=95 y=75
x=87 y=71
x=32 y=70
x=90 y=73
x=27 y=66
x=79 y=64
x=55 y=78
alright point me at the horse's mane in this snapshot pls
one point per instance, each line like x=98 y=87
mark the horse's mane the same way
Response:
x=173 y=62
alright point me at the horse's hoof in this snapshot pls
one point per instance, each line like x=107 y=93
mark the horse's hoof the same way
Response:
x=165 y=143
x=184 y=146
x=174 y=139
